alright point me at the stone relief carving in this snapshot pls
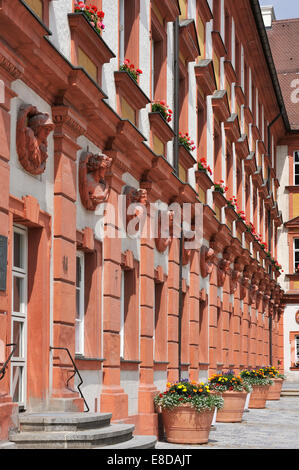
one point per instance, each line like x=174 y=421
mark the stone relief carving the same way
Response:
x=223 y=268
x=245 y=282
x=33 y=129
x=163 y=243
x=235 y=276
x=136 y=203
x=206 y=261
x=93 y=186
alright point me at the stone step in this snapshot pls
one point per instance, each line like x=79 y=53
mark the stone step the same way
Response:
x=83 y=439
x=7 y=445
x=290 y=393
x=137 y=442
x=65 y=421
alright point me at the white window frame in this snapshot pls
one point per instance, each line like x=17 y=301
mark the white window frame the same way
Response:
x=21 y=318
x=121 y=52
x=295 y=250
x=294 y=166
x=79 y=321
x=296 y=349
x=122 y=315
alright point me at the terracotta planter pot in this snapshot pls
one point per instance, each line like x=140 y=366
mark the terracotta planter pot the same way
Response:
x=258 y=396
x=232 y=411
x=275 y=389
x=185 y=425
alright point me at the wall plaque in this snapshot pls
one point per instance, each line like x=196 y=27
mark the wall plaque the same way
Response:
x=3 y=262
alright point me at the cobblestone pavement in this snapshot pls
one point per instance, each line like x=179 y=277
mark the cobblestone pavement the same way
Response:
x=274 y=427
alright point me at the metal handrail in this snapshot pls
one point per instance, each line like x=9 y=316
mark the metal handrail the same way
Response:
x=5 y=365
x=75 y=372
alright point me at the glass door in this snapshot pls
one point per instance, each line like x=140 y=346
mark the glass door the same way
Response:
x=19 y=317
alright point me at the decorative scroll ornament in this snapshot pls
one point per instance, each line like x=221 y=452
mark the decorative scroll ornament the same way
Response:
x=206 y=261
x=93 y=186
x=33 y=128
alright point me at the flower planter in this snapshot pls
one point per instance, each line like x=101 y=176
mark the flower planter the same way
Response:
x=234 y=404
x=258 y=396
x=185 y=425
x=275 y=389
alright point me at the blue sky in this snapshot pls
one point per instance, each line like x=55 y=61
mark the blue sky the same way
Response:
x=283 y=8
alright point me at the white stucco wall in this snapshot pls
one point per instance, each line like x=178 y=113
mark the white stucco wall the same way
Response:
x=290 y=325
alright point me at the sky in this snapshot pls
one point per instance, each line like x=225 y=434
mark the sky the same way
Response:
x=283 y=8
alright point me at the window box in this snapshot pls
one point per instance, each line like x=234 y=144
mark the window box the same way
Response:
x=232 y=128
x=218 y=45
x=230 y=73
x=189 y=46
x=161 y=132
x=203 y=180
x=220 y=105
x=230 y=214
x=186 y=161
x=263 y=190
x=257 y=177
x=205 y=76
x=242 y=147
x=89 y=49
x=169 y=9
x=241 y=99
x=250 y=163
x=219 y=199
x=130 y=96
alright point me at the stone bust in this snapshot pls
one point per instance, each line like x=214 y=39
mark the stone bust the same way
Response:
x=93 y=186
x=33 y=128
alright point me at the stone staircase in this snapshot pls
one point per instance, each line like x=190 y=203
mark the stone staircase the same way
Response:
x=69 y=430
x=290 y=389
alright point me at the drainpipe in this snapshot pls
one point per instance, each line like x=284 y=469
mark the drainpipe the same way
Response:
x=176 y=96
x=270 y=228
x=176 y=104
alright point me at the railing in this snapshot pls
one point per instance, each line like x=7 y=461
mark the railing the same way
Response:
x=70 y=378
x=5 y=365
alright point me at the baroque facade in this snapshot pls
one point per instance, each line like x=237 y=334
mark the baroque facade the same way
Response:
x=82 y=135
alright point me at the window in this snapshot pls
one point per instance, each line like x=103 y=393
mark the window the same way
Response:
x=19 y=316
x=128 y=31
x=129 y=327
x=296 y=168
x=296 y=253
x=41 y=9
x=80 y=307
x=297 y=349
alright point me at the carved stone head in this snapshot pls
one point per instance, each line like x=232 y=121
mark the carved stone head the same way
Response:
x=93 y=186
x=33 y=129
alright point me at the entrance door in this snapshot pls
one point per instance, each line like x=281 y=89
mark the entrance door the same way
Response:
x=19 y=316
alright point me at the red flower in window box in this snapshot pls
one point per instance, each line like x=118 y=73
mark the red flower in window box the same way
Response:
x=130 y=68
x=185 y=140
x=161 y=107
x=93 y=15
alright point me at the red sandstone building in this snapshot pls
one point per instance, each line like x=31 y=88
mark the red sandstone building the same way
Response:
x=77 y=132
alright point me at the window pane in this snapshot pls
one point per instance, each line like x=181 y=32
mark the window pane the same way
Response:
x=18 y=250
x=17 y=372
x=78 y=271
x=17 y=293
x=296 y=156
x=296 y=243
x=18 y=338
x=296 y=169
x=296 y=180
